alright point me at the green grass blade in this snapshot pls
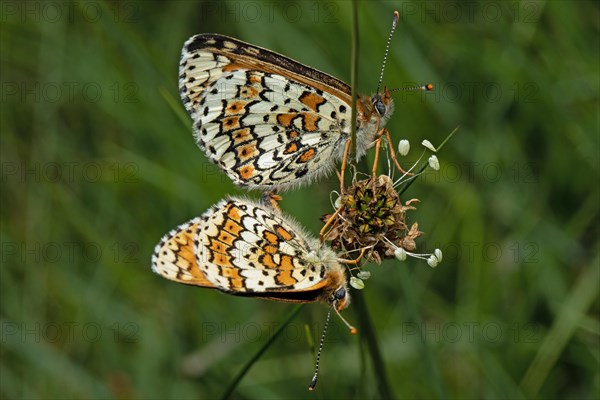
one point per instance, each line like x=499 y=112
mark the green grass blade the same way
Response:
x=367 y=331
x=433 y=371
x=260 y=352
x=354 y=77
x=565 y=325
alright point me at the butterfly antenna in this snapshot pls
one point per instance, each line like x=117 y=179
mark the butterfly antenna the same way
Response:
x=353 y=331
x=313 y=383
x=426 y=87
x=387 y=48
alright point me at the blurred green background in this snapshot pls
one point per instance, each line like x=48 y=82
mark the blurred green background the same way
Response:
x=98 y=162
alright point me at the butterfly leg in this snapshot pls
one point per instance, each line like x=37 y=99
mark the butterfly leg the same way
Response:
x=323 y=232
x=377 y=144
x=388 y=138
x=271 y=199
x=344 y=164
x=355 y=261
x=376 y=161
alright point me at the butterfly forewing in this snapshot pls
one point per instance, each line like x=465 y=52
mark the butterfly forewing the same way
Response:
x=264 y=119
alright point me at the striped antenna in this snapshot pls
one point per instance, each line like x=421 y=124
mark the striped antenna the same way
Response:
x=426 y=87
x=313 y=383
x=387 y=48
x=353 y=331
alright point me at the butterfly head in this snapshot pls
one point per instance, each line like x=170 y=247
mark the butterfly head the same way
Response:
x=340 y=299
x=383 y=105
x=373 y=113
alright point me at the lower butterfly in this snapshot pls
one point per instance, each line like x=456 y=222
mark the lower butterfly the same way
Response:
x=250 y=249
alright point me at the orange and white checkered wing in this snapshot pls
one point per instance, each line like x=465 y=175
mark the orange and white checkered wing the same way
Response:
x=248 y=247
x=267 y=121
x=174 y=256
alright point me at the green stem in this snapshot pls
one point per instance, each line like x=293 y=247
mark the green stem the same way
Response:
x=354 y=78
x=260 y=352
x=433 y=373
x=425 y=164
x=367 y=331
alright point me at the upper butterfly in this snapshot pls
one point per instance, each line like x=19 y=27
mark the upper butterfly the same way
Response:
x=266 y=120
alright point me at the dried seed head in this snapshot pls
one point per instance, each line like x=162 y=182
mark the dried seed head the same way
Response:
x=373 y=218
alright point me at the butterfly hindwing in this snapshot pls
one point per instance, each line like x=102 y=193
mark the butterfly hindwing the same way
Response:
x=175 y=255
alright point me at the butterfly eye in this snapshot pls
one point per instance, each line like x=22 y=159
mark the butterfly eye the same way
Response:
x=340 y=293
x=379 y=106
